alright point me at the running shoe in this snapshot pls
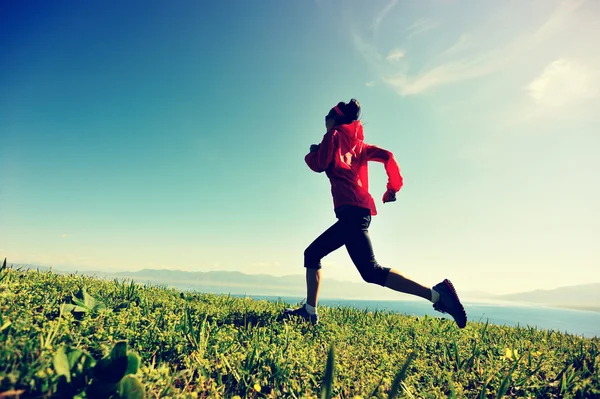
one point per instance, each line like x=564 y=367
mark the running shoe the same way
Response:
x=449 y=303
x=301 y=312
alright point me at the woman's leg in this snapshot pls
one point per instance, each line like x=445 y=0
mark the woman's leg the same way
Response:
x=399 y=283
x=313 y=283
x=360 y=249
x=329 y=241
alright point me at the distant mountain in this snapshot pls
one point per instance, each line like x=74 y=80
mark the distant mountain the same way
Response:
x=237 y=283
x=220 y=282
x=578 y=296
x=257 y=284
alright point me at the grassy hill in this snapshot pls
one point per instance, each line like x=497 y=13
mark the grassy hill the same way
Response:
x=584 y=297
x=237 y=283
x=67 y=335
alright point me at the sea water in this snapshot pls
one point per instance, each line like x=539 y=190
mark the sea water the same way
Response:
x=578 y=322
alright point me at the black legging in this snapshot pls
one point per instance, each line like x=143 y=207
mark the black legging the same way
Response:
x=350 y=230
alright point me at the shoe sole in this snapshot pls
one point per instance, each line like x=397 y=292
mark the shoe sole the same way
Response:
x=290 y=316
x=462 y=309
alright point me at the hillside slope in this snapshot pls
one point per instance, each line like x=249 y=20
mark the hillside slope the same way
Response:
x=204 y=345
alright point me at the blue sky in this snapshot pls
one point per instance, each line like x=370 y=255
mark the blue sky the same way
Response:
x=139 y=135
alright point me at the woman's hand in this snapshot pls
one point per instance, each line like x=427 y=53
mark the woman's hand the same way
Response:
x=389 y=196
x=314 y=147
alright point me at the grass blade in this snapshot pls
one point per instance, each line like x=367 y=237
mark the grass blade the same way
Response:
x=507 y=380
x=2 y=270
x=483 y=393
x=327 y=389
x=400 y=376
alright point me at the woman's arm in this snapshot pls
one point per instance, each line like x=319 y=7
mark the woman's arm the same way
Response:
x=392 y=168
x=320 y=159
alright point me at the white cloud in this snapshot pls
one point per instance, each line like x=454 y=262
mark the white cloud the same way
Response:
x=368 y=51
x=380 y=17
x=558 y=19
x=487 y=49
x=565 y=82
x=421 y=26
x=464 y=42
x=395 y=55
x=445 y=73
x=370 y=83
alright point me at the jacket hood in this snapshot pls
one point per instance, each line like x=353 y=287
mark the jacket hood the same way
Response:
x=349 y=136
x=354 y=130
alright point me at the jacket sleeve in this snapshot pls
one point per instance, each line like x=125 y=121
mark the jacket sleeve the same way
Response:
x=319 y=160
x=392 y=169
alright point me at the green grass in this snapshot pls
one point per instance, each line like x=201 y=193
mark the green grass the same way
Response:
x=203 y=345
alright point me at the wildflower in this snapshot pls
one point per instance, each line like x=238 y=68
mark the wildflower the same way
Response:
x=511 y=354
x=257 y=387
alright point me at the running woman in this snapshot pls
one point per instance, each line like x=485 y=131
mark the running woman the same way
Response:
x=343 y=156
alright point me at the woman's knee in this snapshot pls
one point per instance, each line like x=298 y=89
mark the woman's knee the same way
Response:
x=312 y=260
x=374 y=273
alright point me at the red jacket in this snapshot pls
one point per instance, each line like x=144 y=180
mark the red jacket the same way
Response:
x=343 y=155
